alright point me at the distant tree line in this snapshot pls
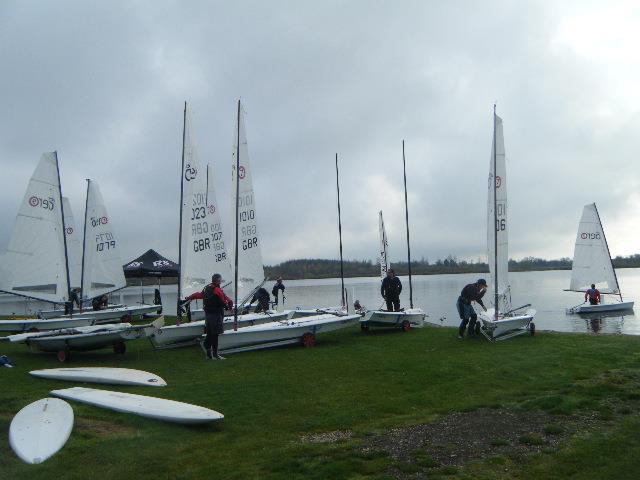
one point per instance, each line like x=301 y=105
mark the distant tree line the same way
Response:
x=323 y=268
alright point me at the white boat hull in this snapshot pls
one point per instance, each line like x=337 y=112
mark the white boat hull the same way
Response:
x=189 y=333
x=292 y=331
x=413 y=317
x=505 y=327
x=602 y=307
x=108 y=315
x=112 y=335
x=59 y=312
x=36 y=324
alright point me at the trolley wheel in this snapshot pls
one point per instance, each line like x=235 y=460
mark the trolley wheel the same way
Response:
x=364 y=326
x=532 y=329
x=406 y=325
x=309 y=340
x=119 y=347
x=126 y=318
x=63 y=355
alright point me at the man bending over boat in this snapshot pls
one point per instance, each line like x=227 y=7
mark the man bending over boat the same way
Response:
x=390 y=290
x=214 y=302
x=593 y=295
x=472 y=292
x=263 y=299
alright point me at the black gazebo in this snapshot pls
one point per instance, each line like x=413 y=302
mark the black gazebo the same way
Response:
x=150 y=264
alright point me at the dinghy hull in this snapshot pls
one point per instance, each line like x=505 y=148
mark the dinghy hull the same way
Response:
x=506 y=327
x=602 y=307
x=413 y=317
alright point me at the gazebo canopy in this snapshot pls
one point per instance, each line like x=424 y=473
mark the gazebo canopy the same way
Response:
x=151 y=264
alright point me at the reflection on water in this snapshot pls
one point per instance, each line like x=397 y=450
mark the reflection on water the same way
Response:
x=436 y=294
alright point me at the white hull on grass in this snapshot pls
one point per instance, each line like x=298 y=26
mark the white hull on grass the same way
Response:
x=36 y=324
x=41 y=429
x=149 y=407
x=406 y=319
x=118 y=313
x=506 y=326
x=288 y=332
x=59 y=312
x=189 y=333
x=90 y=338
x=106 y=375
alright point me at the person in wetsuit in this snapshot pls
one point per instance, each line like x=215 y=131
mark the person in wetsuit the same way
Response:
x=472 y=292
x=390 y=290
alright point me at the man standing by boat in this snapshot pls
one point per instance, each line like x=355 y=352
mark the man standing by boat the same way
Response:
x=472 y=292
x=390 y=290
x=214 y=302
x=274 y=291
x=593 y=295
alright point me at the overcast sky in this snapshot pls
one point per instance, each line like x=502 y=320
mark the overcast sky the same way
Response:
x=104 y=82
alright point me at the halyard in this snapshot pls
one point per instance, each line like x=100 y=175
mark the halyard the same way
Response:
x=384 y=404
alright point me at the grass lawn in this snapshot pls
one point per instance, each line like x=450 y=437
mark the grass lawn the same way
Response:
x=357 y=406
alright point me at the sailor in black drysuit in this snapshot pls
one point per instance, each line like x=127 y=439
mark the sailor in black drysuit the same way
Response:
x=390 y=291
x=263 y=299
x=274 y=291
x=470 y=293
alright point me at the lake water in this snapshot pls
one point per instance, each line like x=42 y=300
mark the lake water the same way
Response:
x=436 y=294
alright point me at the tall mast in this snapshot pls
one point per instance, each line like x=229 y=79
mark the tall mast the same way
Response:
x=84 y=242
x=184 y=128
x=495 y=218
x=606 y=244
x=406 y=211
x=340 y=235
x=235 y=250
x=64 y=229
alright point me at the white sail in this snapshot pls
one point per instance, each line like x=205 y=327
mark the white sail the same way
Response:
x=34 y=264
x=220 y=258
x=202 y=244
x=591 y=258
x=250 y=267
x=102 y=266
x=497 y=223
x=74 y=244
x=384 y=249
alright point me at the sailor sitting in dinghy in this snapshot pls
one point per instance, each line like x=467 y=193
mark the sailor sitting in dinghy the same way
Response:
x=593 y=295
x=472 y=292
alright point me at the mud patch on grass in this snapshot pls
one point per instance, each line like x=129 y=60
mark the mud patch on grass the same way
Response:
x=457 y=438
x=99 y=428
x=327 y=437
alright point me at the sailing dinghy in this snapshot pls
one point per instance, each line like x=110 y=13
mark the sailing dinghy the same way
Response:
x=502 y=321
x=406 y=318
x=592 y=265
x=101 y=271
x=35 y=264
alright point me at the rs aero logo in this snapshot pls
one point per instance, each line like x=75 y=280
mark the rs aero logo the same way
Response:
x=69 y=230
x=589 y=236
x=242 y=171
x=498 y=181
x=190 y=172
x=99 y=221
x=38 y=202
